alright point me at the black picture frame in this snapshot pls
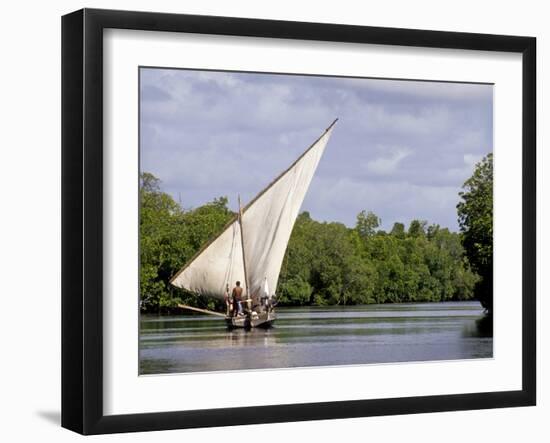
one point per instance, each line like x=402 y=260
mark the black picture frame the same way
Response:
x=82 y=219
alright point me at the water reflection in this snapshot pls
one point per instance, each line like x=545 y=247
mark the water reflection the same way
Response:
x=243 y=338
x=318 y=336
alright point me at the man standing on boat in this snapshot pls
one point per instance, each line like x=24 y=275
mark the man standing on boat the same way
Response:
x=237 y=296
x=228 y=301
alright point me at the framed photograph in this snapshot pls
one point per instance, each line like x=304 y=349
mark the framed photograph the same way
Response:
x=269 y=221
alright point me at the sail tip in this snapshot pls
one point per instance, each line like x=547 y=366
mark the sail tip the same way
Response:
x=332 y=124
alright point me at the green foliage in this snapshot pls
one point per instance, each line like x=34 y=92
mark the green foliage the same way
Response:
x=417 y=228
x=475 y=218
x=328 y=264
x=169 y=237
x=325 y=263
x=294 y=291
x=398 y=230
x=367 y=222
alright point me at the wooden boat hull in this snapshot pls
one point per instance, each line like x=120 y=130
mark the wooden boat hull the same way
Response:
x=262 y=320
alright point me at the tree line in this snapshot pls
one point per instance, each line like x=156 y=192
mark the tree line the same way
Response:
x=328 y=263
x=331 y=264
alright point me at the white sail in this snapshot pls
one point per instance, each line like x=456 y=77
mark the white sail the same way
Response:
x=268 y=220
x=219 y=264
x=267 y=223
x=265 y=289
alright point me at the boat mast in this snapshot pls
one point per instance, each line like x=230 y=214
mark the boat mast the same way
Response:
x=248 y=299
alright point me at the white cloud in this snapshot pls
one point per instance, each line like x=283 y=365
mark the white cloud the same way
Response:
x=420 y=120
x=393 y=201
x=388 y=165
x=426 y=89
x=470 y=160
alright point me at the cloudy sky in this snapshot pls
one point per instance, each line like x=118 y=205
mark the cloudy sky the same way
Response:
x=401 y=149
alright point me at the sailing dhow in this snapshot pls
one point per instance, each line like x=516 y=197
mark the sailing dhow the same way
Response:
x=251 y=247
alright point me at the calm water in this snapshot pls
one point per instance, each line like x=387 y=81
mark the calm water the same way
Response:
x=316 y=337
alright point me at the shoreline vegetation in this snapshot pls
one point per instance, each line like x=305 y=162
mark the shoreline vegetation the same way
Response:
x=327 y=263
